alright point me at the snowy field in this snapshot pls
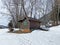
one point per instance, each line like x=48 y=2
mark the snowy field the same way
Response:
x=37 y=37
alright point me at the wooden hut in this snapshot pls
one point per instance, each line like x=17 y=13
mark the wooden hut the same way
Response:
x=29 y=23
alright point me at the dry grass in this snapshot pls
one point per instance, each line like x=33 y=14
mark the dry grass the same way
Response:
x=21 y=31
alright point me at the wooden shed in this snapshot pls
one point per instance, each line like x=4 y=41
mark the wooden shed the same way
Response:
x=29 y=23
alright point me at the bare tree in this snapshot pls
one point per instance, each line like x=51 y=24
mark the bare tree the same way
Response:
x=19 y=8
x=13 y=8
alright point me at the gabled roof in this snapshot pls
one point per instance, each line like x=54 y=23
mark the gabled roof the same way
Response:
x=30 y=19
x=34 y=19
x=21 y=20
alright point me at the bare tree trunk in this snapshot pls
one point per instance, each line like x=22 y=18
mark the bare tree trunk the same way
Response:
x=22 y=4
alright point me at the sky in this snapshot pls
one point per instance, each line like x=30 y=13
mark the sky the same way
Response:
x=3 y=19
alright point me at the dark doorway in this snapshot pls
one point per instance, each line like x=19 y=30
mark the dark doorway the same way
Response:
x=59 y=16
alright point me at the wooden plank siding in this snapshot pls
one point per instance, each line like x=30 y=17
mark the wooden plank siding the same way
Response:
x=30 y=23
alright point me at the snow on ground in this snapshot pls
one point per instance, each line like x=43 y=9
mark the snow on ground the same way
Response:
x=37 y=37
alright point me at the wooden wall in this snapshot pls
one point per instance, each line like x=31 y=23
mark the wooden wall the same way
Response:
x=34 y=24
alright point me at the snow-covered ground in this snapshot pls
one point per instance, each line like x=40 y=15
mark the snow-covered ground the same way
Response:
x=37 y=37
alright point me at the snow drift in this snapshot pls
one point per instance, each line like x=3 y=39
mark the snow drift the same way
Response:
x=37 y=37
